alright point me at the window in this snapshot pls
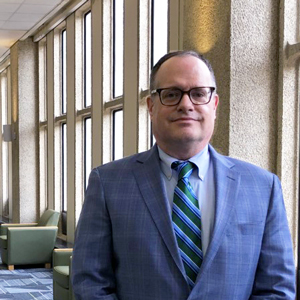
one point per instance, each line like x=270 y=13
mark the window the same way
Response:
x=117 y=134
x=115 y=110
x=43 y=167
x=118 y=48
x=159 y=29
x=86 y=120
x=86 y=130
x=87 y=149
x=159 y=45
x=5 y=145
x=64 y=71
x=87 y=59
x=64 y=165
x=61 y=121
x=43 y=126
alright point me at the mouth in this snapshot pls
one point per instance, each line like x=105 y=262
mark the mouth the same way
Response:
x=184 y=119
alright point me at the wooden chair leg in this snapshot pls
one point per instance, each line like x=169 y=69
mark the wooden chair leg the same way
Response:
x=10 y=267
x=48 y=265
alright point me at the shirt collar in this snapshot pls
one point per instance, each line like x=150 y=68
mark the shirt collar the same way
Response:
x=201 y=160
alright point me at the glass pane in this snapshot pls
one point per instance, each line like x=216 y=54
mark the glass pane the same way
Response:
x=3 y=85
x=87 y=149
x=5 y=149
x=64 y=166
x=64 y=71
x=43 y=167
x=159 y=29
x=118 y=48
x=117 y=134
x=88 y=59
x=42 y=80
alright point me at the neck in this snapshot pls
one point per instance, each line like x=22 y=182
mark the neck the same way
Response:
x=182 y=153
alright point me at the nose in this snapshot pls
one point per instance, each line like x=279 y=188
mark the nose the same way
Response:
x=185 y=104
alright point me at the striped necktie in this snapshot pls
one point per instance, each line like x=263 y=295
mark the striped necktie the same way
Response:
x=187 y=221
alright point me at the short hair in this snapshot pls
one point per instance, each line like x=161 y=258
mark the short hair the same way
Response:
x=179 y=53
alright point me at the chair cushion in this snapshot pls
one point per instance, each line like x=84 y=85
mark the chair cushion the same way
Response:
x=61 y=275
x=3 y=241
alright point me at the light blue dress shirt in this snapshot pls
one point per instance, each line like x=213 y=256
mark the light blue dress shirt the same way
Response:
x=202 y=181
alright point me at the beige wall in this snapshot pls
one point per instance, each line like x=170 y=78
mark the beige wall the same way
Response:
x=258 y=86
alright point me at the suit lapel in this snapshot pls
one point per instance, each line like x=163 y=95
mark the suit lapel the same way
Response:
x=226 y=187
x=149 y=179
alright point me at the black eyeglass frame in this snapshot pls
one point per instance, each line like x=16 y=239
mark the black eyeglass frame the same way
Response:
x=158 y=91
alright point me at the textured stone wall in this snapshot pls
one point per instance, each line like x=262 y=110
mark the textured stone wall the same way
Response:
x=257 y=117
x=24 y=74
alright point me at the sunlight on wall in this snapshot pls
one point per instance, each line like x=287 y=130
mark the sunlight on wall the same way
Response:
x=203 y=25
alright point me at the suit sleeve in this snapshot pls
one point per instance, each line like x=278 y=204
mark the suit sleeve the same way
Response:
x=275 y=275
x=92 y=263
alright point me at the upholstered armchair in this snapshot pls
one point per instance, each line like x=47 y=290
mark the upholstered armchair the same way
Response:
x=29 y=243
x=62 y=266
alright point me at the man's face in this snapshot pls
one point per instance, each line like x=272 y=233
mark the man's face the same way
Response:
x=183 y=126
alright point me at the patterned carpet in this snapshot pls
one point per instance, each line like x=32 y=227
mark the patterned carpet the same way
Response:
x=25 y=284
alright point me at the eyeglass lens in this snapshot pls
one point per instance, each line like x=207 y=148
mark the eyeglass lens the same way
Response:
x=173 y=96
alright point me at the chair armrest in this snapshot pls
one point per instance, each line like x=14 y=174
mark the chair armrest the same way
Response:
x=61 y=257
x=32 y=244
x=71 y=294
x=3 y=227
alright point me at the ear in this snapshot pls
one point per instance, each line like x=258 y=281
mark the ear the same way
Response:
x=150 y=104
x=215 y=102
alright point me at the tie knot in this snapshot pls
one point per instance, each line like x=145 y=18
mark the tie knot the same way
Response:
x=183 y=168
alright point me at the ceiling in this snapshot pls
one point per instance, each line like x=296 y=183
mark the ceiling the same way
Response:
x=18 y=18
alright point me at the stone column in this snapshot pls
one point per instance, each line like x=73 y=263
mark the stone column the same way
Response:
x=207 y=29
x=245 y=42
x=24 y=91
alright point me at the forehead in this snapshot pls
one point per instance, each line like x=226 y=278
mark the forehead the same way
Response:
x=183 y=71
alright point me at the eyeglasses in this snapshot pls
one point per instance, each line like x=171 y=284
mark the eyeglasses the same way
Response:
x=172 y=96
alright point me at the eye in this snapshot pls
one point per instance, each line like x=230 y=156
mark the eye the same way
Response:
x=199 y=93
x=171 y=94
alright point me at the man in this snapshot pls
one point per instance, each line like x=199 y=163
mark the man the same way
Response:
x=181 y=221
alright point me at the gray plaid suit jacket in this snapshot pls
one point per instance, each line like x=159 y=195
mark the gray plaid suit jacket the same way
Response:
x=125 y=247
